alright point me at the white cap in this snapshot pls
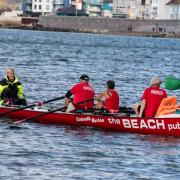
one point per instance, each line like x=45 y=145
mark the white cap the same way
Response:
x=155 y=81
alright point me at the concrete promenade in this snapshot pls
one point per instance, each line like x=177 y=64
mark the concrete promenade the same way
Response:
x=10 y=22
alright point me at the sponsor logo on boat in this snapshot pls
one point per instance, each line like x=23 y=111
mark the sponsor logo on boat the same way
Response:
x=173 y=126
x=133 y=123
x=114 y=121
x=142 y=124
x=88 y=118
x=139 y=123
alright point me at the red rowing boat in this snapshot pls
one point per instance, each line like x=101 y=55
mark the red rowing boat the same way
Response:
x=168 y=125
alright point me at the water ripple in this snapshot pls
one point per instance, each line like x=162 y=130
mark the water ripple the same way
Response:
x=50 y=63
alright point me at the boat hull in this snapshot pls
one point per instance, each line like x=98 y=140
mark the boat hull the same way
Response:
x=159 y=126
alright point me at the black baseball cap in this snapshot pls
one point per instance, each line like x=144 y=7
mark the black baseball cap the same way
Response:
x=84 y=77
x=110 y=84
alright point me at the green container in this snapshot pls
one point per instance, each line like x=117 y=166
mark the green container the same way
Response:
x=172 y=83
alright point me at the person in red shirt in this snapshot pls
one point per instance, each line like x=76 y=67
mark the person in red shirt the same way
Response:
x=81 y=91
x=109 y=99
x=151 y=99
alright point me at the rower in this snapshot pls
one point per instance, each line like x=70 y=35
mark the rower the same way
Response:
x=109 y=99
x=11 y=90
x=81 y=91
x=151 y=99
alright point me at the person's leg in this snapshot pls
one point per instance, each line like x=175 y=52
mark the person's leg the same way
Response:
x=100 y=105
x=136 y=108
x=20 y=102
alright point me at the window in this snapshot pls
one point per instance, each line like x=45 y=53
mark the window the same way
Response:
x=143 y=3
x=47 y=1
x=40 y=7
x=47 y=7
x=40 y=0
x=35 y=6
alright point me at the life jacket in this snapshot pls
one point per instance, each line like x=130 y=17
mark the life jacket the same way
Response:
x=9 y=89
x=112 y=103
x=168 y=106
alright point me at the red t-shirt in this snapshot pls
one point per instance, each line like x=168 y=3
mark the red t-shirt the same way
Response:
x=112 y=103
x=153 y=96
x=81 y=92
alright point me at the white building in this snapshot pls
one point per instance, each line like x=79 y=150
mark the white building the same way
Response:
x=121 y=8
x=174 y=9
x=152 y=9
x=159 y=9
x=132 y=9
x=42 y=6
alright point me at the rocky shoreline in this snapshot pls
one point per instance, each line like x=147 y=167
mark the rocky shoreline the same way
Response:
x=17 y=23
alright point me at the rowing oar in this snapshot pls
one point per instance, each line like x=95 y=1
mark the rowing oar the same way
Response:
x=46 y=113
x=127 y=110
x=32 y=105
x=122 y=109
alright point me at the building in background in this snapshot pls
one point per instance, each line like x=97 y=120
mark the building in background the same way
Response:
x=26 y=6
x=94 y=8
x=39 y=7
x=121 y=8
x=159 y=9
x=152 y=9
x=71 y=11
x=58 y=4
x=132 y=9
x=43 y=7
x=174 y=9
x=107 y=8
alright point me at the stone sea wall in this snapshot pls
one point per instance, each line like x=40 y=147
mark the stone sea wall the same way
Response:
x=110 y=25
x=161 y=28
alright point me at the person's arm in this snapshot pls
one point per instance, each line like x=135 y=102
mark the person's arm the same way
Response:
x=20 y=91
x=21 y=95
x=100 y=96
x=143 y=105
x=67 y=98
x=2 y=88
x=100 y=100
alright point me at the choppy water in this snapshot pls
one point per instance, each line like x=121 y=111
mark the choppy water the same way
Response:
x=48 y=64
